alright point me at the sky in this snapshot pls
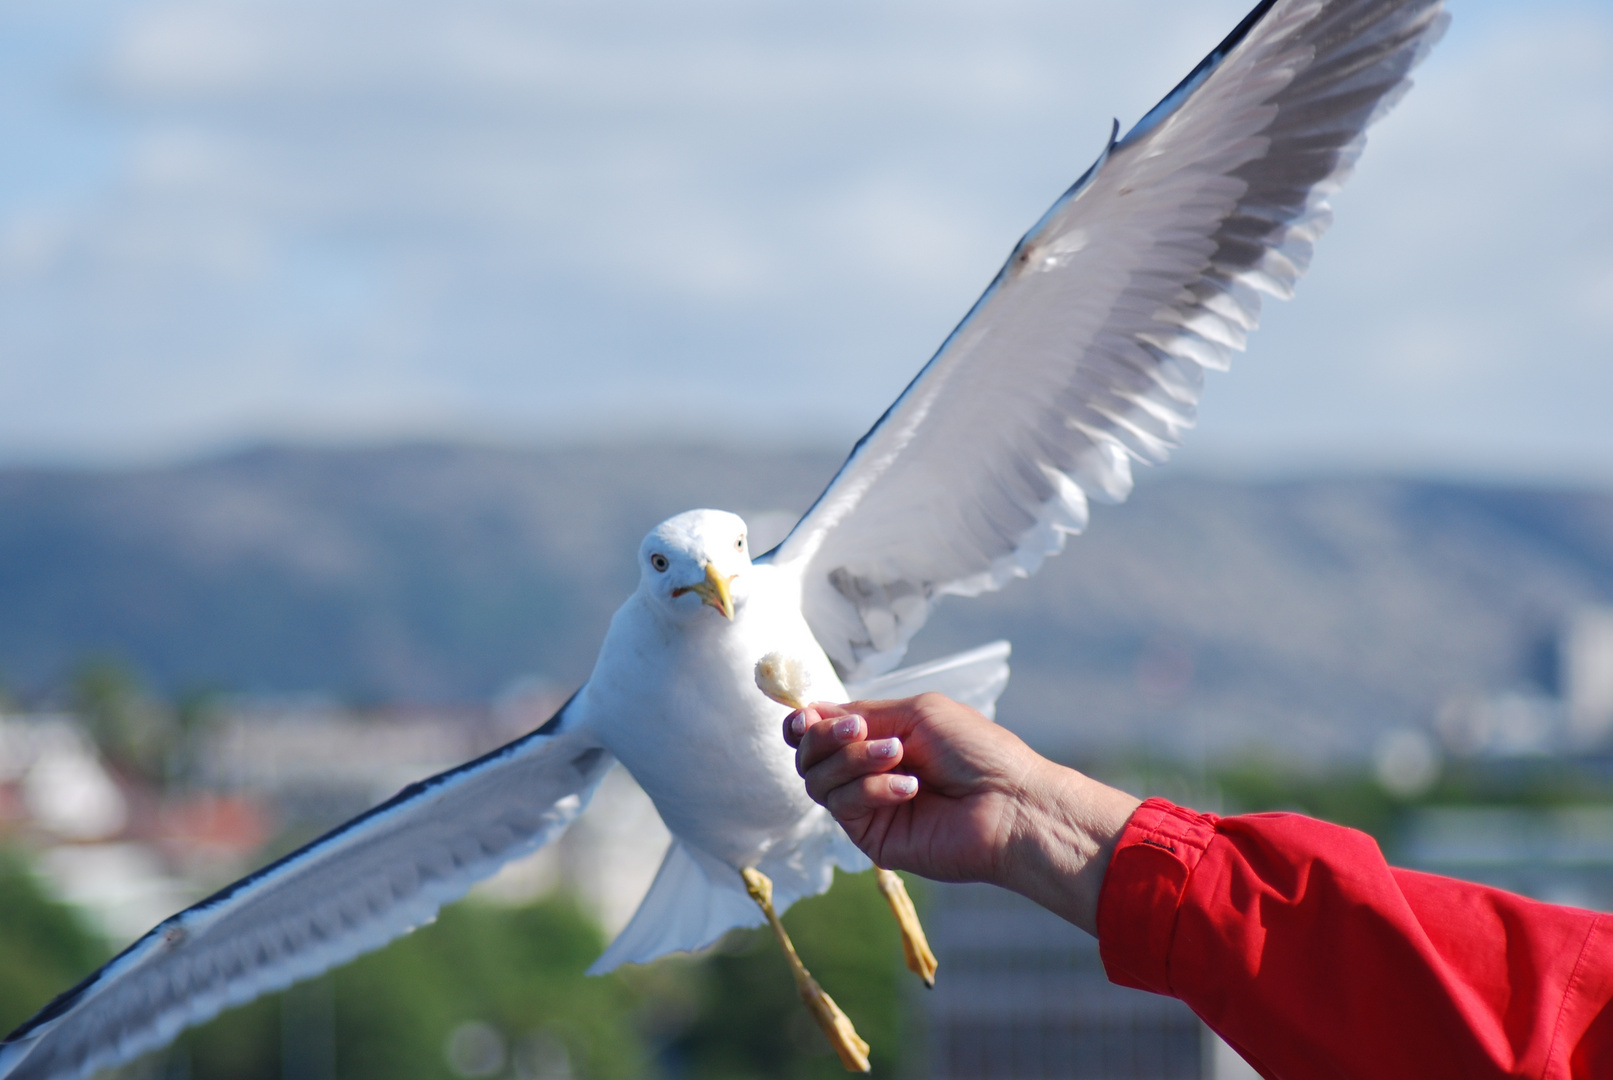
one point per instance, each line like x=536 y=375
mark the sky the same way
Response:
x=354 y=221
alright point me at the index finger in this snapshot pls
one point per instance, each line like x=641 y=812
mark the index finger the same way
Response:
x=827 y=736
x=797 y=722
x=897 y=716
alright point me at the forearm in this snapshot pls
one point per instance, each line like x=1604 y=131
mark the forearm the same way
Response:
x=1059 y=849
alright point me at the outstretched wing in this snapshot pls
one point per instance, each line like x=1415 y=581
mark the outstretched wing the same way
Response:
x=1089 y=348
x=352 y=890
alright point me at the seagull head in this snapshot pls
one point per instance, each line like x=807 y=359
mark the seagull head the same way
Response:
x=695 y=560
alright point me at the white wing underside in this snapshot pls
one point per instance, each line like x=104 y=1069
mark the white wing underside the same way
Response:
x=977 y=678
x=1088 y=350
x=696 y=899
x=349 y=892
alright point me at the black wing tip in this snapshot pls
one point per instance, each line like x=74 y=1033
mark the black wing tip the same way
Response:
x=1181 y=90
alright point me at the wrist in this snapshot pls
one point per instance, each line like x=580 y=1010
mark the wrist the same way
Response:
x=1066 y=835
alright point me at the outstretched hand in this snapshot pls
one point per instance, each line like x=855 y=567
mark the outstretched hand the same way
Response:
x=926 y=784
x=931 y=786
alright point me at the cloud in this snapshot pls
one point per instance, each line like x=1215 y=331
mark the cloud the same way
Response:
x=1449 y=320
x=349 y=219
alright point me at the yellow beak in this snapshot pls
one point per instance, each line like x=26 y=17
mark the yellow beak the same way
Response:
x=714 y=591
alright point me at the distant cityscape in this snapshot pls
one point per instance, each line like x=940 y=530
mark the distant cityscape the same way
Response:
x=211 y=664
x=262 y=770
x=132 y=852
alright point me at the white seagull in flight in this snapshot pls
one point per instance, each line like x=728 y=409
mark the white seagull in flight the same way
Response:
x=1087 y=351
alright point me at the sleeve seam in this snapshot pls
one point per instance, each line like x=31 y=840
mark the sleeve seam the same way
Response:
x=1568 y=992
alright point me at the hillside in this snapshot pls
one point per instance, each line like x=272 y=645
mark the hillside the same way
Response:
x=1303 y=616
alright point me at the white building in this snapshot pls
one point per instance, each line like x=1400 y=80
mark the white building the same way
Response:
x=1587 y=675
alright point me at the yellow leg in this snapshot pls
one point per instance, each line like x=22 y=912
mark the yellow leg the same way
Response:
x=920 y=960
x=835 y=1024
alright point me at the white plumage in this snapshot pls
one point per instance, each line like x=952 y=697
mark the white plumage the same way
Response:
x=1086 y=352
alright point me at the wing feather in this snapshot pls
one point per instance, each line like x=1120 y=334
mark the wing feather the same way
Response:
x=350 y=891
x=1088 y=350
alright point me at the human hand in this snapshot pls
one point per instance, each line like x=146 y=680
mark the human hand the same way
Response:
x=971 y=801
x=955 y=806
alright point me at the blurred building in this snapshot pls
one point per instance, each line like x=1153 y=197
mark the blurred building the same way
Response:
x=126 y=854
x=52 y=780
x=1527 y=720
x=319 y=764
x=130 y=854
x=1519 y=722
x=1587 y=675
x=1021 y=995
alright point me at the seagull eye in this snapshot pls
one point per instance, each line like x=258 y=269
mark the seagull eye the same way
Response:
x=739 y=544
x=659 y=561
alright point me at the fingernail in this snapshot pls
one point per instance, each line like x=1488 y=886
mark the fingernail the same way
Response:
x=884 y=748
x=798 y=723
x=904 y=785
x=846 y=727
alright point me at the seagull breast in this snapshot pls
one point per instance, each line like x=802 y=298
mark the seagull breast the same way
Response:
x=677 y=703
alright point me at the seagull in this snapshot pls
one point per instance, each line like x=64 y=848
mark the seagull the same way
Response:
x=1087 y=352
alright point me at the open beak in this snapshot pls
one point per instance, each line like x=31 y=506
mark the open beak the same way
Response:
x=714 y=591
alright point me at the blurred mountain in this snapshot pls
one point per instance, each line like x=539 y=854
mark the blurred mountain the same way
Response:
x=1305 y=617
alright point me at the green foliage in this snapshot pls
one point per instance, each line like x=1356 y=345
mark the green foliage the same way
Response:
x=519 y=970
x=1532 y=783
x=390 y=1015
x=241 y=1044
x=1351 y=798
x=393 y=1012
x=1354 y=797
x=44 y=948
x=750 y=1022
x=134 y=730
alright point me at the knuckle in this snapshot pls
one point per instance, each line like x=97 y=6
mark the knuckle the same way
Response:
x=840 y=803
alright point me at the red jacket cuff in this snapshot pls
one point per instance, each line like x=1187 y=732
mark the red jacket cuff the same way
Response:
x=1142 y=891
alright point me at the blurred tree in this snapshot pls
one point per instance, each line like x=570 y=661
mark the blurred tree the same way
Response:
x=135 y=731
x=196 y=713
x=518 y=972
x=44 y=947
x=750 y=1022
x=500 y=992
x=1353 y=796
x=511 y=975
x=1350 y=797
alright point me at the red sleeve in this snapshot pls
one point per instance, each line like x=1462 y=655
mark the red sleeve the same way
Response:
x=1300 y=946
